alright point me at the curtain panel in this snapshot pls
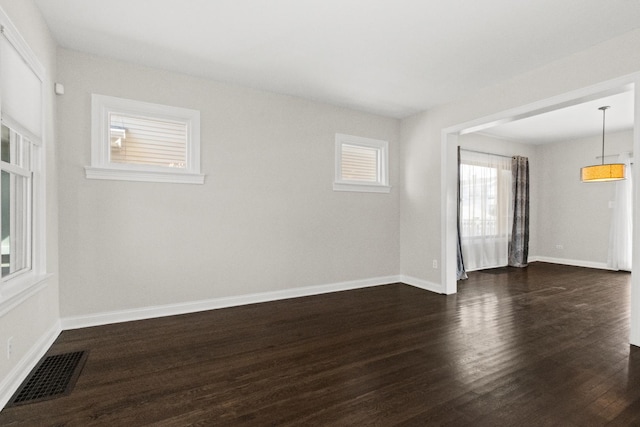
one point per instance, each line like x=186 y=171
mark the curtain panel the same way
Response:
x=519 y=244
x=485 y=209
x=461 y=272
x=621 y=231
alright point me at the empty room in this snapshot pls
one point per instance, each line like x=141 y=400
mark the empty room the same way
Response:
x=222 y=212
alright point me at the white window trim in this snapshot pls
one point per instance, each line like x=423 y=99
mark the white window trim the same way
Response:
x=382 y=186
x=16 y=288
x=102 y=168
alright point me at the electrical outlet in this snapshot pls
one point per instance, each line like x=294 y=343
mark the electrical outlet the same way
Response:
x=435 y=263
x=9 y=347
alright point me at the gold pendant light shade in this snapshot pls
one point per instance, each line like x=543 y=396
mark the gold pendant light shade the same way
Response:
x=605 y=171
x=602 y=173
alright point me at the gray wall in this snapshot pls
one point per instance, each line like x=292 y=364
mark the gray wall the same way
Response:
x=34 y=321
x=265 y=220
x=573 y=214
x=421 y=148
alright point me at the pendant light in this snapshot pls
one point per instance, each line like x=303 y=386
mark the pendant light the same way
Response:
x=603 y=172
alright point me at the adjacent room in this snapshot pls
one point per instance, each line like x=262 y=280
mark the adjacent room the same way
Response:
x=312 y=213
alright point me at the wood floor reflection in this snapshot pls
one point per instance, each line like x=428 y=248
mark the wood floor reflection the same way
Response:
x=545 y=345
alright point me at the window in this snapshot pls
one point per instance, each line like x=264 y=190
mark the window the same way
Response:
x=16 y=202
x=22 y=183
x=361 y=164
x=139 y=141
x=486 y=209
x=480 y=212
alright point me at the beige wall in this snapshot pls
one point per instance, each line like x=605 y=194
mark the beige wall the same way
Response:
x=266 y=218
x=32 y=322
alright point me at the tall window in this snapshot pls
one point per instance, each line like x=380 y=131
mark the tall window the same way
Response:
x=485 y=209
x=16 y=202
x=21 y=164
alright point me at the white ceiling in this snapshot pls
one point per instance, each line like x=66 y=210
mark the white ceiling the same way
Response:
x=393 y=58
x=577 y=121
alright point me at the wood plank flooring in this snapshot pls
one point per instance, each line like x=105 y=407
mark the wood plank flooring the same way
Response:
x=546 y=345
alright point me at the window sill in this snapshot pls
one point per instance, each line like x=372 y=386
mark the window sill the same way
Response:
x=362 y=188
x=144 y=176
x=15 y=291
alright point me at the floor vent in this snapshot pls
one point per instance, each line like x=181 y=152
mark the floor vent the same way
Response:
x=53 y=376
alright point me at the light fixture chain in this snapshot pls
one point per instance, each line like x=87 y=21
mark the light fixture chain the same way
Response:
x=604 y=111
x=603 y=172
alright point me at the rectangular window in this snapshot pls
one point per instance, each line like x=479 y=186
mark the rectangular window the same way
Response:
x=478 y=200
x=361 y=164
x=147 y=141
x=16 y=202
x=485 y=209
x=22 y=162
x=140 y=141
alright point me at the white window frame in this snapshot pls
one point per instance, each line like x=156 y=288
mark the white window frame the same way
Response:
x=382 y=183
x=16 y=287
x=101 y=166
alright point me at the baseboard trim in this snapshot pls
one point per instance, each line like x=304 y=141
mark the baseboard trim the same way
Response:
x=21 y=370
x=16 y=376
x=574 y=262
x=422 y=284
x=105 y=318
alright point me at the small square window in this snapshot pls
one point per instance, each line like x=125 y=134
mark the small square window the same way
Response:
x=140 y=141
x=361 y=164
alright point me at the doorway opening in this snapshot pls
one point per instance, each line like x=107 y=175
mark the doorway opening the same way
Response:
x=449 y=147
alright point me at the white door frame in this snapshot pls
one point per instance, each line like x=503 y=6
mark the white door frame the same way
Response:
x=448 y=150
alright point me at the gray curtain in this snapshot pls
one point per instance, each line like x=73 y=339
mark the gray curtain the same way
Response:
x=519 y=244
x=461 y=273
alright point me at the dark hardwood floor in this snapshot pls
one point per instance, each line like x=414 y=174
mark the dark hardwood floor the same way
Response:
x=546 y=345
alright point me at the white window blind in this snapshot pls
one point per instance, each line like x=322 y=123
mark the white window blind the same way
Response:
x=141 y=141
x=21 y=90
x=360 y=163
x=147 y=141
x=22 y=161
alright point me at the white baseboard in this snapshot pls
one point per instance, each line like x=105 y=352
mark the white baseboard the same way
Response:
x=572 y=262
x=12 y=381
x=104 y=318
x=17 y=375
x=422 y=284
